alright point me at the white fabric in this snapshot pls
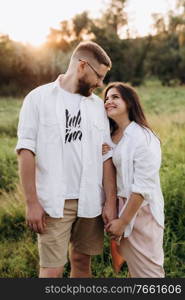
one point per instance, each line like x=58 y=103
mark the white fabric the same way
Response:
x=116 y=158
x=41 y=130
x=73 y=144
x=138 y=160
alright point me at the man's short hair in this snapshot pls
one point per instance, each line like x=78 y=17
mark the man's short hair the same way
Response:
x=94 y=50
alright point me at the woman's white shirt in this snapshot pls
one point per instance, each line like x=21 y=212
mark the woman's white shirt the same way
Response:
x=116 y=158
x=137 y=158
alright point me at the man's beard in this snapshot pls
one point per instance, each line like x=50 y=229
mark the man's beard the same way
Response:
x=84 y=88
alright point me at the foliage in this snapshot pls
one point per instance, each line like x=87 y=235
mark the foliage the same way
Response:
x=23 y=67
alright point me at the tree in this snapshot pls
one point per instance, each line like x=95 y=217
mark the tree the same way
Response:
x=114 y=17
x=140 y=58
x=81 y=25
x=60 y=38
x=159 y=25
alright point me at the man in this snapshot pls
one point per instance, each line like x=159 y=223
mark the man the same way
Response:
x=61 y=130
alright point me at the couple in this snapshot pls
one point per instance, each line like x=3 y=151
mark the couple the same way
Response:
x=67 y=149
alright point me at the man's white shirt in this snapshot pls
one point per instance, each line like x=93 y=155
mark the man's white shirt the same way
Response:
x=42 y=130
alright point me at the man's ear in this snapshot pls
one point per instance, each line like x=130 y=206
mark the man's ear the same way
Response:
x=81 y=66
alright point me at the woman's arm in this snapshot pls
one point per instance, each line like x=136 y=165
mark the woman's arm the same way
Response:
x=117 y=226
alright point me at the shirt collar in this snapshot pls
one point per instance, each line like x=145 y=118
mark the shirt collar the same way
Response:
x=129 y=129
x=56 y=83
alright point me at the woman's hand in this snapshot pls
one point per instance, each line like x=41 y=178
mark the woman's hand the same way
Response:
x=105 y=148
x=115 y=228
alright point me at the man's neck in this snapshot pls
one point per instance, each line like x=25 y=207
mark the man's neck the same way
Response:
x=68 y=82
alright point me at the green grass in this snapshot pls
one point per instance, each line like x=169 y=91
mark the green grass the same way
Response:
x=165 y=109
x=159 y=100
x=8 y=163
x=9 y=112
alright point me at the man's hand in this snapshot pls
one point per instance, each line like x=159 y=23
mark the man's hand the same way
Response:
x=35 y=217
x=109 y=212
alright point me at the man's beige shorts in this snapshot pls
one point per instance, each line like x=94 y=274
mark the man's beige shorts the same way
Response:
x=84 y=234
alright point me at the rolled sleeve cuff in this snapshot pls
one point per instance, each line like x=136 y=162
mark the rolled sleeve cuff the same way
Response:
x=139 y=190
x=25 y=144
x=107 y=155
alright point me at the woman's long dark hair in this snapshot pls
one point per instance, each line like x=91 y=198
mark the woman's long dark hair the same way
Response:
x=135 y=111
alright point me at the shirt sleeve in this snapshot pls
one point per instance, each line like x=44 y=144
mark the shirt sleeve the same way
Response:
x=147 y=161
x=107 y=138
x=28 y=125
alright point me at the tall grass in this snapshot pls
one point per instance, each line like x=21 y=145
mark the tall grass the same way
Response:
x=8 y=164
x=172 y=180
x=9 y=111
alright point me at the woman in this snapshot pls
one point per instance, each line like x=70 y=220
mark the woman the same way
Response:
x=137 y=158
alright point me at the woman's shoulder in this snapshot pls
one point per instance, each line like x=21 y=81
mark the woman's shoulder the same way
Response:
x=136 y=130
x=142 y=135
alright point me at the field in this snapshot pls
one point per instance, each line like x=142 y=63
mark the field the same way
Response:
x=165 y=109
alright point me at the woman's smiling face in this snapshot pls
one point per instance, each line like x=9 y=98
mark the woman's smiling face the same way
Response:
x=115 y=104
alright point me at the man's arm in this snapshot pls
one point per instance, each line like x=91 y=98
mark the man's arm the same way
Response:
x=26 y=149
x=35 y=215
x=109 y=184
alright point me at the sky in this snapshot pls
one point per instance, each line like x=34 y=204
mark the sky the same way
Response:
x=29 y=21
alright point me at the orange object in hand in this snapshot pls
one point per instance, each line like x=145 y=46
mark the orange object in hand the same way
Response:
x=117 y=259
